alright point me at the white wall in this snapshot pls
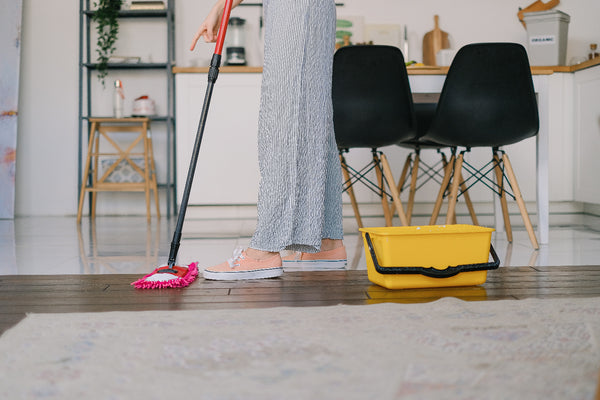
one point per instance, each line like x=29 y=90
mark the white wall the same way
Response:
x=466 y=21
x=47 y=138
x=46 y=176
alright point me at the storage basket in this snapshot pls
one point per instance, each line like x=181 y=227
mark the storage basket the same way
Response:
x=123 y=172
x=428 y=256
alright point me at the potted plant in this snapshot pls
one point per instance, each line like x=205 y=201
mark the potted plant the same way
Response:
x=106 y=18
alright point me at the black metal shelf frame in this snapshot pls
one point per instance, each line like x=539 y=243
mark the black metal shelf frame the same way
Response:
x=132 y=65
x=87 y=66
x=163 y=118
x=136 y=13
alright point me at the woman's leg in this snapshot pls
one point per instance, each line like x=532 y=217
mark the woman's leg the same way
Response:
x=300 y=191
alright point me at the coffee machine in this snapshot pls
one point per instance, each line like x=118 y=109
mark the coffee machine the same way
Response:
x=235 y=42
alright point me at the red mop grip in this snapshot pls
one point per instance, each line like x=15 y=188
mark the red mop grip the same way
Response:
x=223 y=27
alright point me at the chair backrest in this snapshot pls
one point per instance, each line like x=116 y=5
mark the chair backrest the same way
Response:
x=372 y=101
x=487 y=99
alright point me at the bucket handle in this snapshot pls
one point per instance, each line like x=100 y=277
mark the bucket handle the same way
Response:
x=432 y=272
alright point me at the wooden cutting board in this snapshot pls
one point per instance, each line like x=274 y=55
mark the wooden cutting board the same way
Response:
x=434 y=41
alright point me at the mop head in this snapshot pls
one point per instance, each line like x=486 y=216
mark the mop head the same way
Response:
x=162 y=280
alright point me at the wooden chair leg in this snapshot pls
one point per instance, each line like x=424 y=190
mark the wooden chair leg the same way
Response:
x=350 y=191
x=94 y=201
x=504 y=205
x=387 y=171
x=444 y=160
x=440 y=197
x=86 y=171
x=407 y=164
x=384 y=203
x=405 y=169
x=468 y=202
x=519 y=198
x=413 y=187
x=451 y=215
x=81 y=199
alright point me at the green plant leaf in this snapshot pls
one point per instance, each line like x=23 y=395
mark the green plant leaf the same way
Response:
x=107 y=28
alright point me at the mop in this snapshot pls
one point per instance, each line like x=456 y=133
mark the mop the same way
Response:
x=170 y=275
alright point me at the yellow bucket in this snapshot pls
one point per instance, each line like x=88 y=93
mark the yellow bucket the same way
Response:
x=406 y=257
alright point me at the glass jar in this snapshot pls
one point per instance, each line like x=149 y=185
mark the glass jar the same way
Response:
x=593 y=51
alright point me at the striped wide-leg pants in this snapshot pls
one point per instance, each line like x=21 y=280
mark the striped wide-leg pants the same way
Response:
x=299 y=200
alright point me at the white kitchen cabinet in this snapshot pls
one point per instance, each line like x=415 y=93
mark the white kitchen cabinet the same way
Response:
x=587 y=135
x=227 y=170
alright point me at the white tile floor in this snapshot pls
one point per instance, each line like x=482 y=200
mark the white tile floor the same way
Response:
x=55 y=245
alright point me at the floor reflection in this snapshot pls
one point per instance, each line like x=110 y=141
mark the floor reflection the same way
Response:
x=128 y=244
x=378 y=294
x=109 y=252
x=8 y=262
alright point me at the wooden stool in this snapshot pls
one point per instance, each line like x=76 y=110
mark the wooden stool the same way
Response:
x=93 y=182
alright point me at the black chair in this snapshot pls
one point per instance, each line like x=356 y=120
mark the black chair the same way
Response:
x=372 y=108
x=487 y=101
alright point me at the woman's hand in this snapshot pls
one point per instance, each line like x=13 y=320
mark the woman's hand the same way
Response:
x=209 y=29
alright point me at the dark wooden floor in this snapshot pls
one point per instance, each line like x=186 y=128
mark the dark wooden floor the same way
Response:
x=23 y=294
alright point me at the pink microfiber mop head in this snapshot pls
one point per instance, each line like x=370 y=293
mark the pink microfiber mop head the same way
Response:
x=158 y=279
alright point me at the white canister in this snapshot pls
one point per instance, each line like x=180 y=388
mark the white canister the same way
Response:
x=143 y=106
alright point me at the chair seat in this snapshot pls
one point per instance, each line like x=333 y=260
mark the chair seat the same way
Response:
x=479 y=142
x=422 y=144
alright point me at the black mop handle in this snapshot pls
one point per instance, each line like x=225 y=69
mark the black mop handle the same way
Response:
x=213 y=73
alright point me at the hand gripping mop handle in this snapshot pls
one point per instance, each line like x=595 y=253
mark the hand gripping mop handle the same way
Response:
x=223 y=27
x=213 y=73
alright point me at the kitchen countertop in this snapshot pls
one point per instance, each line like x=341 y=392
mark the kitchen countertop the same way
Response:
x=423 y=70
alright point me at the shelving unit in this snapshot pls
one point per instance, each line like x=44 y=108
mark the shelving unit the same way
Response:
x=87 y=66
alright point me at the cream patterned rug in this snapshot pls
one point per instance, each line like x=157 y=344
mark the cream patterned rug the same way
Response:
x=448 y=349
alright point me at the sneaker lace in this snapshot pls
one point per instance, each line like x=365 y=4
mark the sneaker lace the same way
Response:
x=237 y=255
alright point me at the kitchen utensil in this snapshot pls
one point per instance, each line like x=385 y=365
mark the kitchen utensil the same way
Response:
x=434 y=41
x=143 y=106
